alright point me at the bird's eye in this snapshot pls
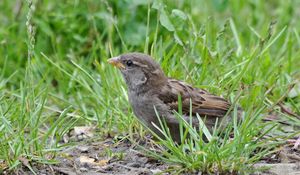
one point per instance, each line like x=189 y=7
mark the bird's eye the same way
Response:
x=129 y=63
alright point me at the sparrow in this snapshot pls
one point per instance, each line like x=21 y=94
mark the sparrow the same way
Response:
x=151 y=92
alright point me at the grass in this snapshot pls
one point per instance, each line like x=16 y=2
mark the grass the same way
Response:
x=56 y=76
x=225 y=150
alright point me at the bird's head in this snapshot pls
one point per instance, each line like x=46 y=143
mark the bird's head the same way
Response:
x=139 y=70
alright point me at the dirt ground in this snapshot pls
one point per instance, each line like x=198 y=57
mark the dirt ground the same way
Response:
x=115 y=156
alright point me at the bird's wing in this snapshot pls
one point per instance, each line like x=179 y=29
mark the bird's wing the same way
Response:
x=203 y=103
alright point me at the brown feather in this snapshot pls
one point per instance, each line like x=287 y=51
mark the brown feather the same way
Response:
x=203 y=103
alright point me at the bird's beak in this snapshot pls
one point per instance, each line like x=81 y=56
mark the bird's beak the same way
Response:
x=115 y=61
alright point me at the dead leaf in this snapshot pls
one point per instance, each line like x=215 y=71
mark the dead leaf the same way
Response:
x=92 y=161
x=24 y=161
x=83 y=132
x=3 y=165
x=102 y=162
x=85 y=159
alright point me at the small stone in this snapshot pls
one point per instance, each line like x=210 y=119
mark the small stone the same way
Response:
x=83 y=169
x=156 y=171
x=66 y=138
x=83 y=149
x=144 y=160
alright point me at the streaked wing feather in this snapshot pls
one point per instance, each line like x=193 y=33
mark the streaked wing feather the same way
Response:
x=203 y=102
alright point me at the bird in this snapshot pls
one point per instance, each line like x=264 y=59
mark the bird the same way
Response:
x=152 y=93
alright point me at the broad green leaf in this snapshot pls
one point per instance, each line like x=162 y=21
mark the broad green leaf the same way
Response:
x=158 y=5
x=165 y=21
x=179 y=13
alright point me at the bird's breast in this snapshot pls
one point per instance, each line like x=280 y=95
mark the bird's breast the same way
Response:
x=144 y=107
